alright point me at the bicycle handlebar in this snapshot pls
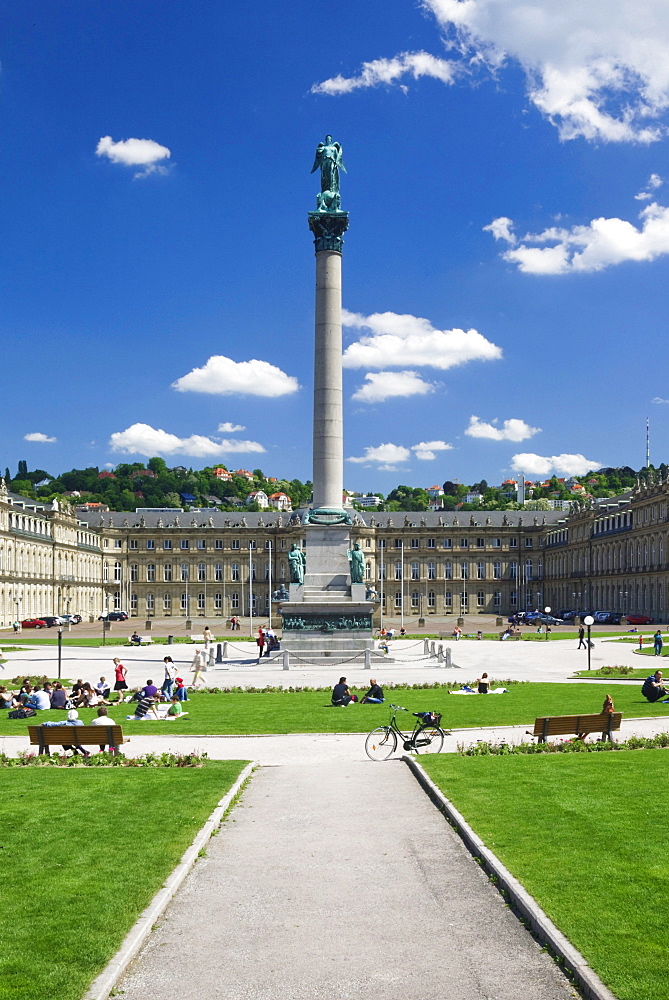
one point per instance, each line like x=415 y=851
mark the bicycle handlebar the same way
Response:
x=398 y=708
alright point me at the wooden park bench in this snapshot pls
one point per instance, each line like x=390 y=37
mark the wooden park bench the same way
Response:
x=83 y=736
x=144 y=640
x=571 y=725
x=510 y=638
x=196 y=638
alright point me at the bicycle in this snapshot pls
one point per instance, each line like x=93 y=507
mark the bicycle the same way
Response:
x=427 y=735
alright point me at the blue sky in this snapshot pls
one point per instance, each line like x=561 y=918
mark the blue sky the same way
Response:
x=505 y=270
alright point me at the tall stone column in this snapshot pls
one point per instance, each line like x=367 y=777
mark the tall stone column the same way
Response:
x=328 y=434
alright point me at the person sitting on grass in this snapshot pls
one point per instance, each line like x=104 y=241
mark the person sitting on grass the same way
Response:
x=103 y=688
x=58 y=696
x=149 y=690
x=483 y=684
x=39 y=699
x=76 y=688
x=7 y=699
x=71 y=720
x=653 y=688
x=175 y=711
x=145 y=705
x=341 y=696
x=180 y=690
x=102 y=719
x=375 y=694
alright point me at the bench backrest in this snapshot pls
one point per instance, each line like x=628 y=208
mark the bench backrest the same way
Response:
x=563 y=725
x=50 y=736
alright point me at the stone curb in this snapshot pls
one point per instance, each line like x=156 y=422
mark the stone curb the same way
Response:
x=571 y=960
x=143 y=926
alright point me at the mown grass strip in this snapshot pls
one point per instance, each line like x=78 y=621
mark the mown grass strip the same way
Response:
x=83 y=853
x=586 y=834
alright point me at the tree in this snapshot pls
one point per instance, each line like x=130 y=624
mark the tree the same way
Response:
x=157 y=465
x=23 y=470
x=171 y=500
x=450 y=488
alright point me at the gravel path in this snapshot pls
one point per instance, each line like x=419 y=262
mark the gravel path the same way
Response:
x=342 y=881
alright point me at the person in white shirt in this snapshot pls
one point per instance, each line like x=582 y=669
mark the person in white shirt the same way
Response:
x=40 y=699
x=102 y=719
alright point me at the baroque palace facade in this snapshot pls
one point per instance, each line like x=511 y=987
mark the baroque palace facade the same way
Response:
x=208 y=563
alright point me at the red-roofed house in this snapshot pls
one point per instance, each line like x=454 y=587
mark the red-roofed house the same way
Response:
x=280 y=501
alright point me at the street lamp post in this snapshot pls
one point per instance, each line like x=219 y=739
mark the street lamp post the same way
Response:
x=589 y=621
x=547 y=611
x=60 y=648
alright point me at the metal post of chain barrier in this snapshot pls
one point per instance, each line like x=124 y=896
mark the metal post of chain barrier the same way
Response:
x=426 y=647
x=448 y=661
x=286 y=660
x=222 y=653
x=433 y=649
x=368 y=659
x=440 y=654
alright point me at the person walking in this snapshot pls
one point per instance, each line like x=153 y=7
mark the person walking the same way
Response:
x=657 y=643
x=208 y=638
x=120 y=674
x=197 y=666
x=581 y=638
x=260 y=643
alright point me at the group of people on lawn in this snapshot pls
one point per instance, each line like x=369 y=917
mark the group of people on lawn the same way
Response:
x=342 y=695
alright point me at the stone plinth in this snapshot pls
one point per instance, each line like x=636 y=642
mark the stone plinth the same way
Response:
x=327 y=563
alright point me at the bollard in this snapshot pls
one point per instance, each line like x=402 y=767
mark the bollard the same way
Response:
x=447 y=661
x=219 y=653
x=433 y=648
x=226 y=651
x=286 y=660
x=368 y=659
x=440 y=654
x=426 y=647
x=212 y=658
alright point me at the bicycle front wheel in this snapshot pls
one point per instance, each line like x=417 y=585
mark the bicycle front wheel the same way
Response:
x=381 y=743
x=429 y=739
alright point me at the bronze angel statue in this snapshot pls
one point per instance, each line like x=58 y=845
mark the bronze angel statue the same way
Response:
x=329 y=160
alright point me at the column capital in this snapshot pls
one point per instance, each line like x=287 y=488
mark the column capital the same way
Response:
x=328 y=229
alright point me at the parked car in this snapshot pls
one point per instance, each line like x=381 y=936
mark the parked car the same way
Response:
x=52 y=620
x=639 y=620
x=613 y=618
x=73 y=619
x=34 y=623
x=114 y=616
x=567 y=614
x=534 y=617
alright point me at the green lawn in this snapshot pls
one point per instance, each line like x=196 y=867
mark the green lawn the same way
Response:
x=309 y=711
x=588 y=838
x=38 y=637
x=83 y=853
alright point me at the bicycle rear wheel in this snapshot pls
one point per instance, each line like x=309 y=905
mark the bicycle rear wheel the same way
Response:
x=429 y=739
x=381 y=743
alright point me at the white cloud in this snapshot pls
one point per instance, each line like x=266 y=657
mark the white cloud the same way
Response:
x=40 y=438
x=388 y=456
x=379 y=71
x=652 y=184
x=135 y=153
x=224 y=377
x=511 y=430
x=501 y=229
x=600 y=244
x=426 y=451
x=387 y=385
x=396 y=340
x=539 y=465
x=595 y=70
x=659 y=399
x=228 y=428
x=142 y=439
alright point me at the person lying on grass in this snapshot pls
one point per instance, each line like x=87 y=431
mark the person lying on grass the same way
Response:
x=146 y=706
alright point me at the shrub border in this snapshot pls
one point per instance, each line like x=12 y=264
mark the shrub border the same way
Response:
x=530 y=913
x=141 y=930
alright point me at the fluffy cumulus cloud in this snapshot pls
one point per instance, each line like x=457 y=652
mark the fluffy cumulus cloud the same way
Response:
x=228 y=428
x=600 y=244
x=510 y=430
x=387 y=385
x=222 y=376
x=545 y=465
x=380 y=71
x=394 y=340
x=39 y=438
x=426 y=451
x=142 y=439
x=143 y=153
x=659 y=399
x=386 y=457
x=596 y=70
